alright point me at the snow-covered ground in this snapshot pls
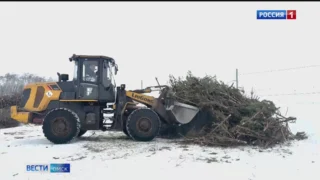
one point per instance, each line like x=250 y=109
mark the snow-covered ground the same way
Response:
x=111 y=155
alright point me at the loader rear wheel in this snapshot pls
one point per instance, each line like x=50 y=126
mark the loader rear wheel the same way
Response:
x=61 y=125
x=143 y=124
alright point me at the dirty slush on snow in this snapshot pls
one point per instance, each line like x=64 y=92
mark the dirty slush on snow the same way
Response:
x=227 y=116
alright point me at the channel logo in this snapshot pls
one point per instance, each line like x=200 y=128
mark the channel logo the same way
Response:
x=38 y=168
x=52 y=168
x=60 y=168
x=277 y=14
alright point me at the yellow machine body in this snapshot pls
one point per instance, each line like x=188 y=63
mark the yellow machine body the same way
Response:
x=39 y=97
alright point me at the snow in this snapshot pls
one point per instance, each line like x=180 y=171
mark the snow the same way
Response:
x=111 y=155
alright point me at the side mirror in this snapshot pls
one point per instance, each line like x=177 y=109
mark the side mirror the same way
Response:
x=116 y=69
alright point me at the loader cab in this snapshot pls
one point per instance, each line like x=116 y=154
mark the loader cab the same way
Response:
x=93 y=78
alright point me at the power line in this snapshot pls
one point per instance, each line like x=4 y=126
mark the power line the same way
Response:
x=307 y=103
x=302 y=103
x=277 y=70
x=299 y=103
x=269 y=89
x=293 y=94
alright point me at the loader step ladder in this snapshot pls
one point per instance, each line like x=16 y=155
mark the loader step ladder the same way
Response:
x=108 y=116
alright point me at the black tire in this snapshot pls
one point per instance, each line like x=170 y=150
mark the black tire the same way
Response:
x=143 y=117
x=51 y=125
x=124 y=128
x=82 y=132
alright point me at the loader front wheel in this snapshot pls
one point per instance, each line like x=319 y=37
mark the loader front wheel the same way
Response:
x=61 y=125
x=143 y=124
x=124 y=129
x=82 y=132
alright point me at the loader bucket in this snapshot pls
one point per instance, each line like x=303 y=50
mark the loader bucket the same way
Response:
x=181 y=113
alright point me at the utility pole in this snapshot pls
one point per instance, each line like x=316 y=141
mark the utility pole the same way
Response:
x=237 y=80
x=141 y=84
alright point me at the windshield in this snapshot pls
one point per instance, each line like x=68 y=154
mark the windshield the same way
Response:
x=75 y=71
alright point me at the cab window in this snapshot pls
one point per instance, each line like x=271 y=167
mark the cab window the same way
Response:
x=106 y=75
x=89 y=71
x=75 y=71
x=112 y=74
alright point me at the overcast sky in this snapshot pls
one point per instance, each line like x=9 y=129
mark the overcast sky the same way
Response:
x=155 y=39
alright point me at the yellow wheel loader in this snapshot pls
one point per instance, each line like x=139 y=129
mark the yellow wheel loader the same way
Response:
x=68 y=108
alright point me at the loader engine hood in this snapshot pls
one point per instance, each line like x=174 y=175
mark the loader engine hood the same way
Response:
x=37 y=96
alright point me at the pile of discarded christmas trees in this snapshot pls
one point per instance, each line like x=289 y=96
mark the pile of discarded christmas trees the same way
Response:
x=5 y=102
x=227 y=116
